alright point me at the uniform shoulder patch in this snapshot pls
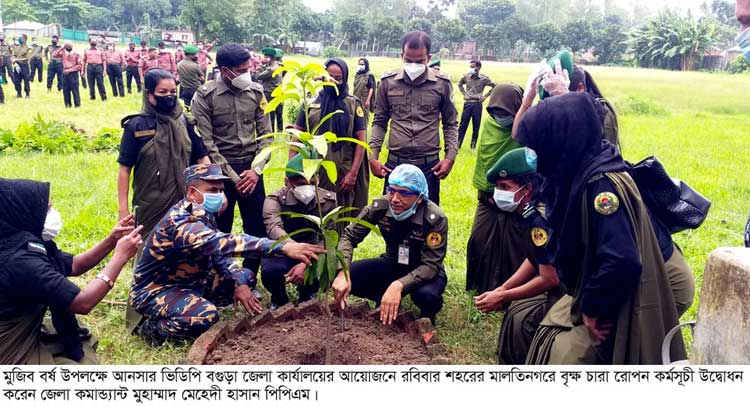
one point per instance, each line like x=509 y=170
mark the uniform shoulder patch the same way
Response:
x=606 y=203
x=388 y=74
x=360 y=111
x=263 y=103
x=434 y=239
x=35 y=247
x=539 y=236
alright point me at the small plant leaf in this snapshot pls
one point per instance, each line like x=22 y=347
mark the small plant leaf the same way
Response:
x=330 y=168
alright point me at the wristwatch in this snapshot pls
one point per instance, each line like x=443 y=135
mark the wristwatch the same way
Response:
x=106 y=279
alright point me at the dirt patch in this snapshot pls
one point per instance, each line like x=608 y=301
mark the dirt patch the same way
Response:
x=301 y=342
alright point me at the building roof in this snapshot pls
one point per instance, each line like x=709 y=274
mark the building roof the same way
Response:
x=24 y=25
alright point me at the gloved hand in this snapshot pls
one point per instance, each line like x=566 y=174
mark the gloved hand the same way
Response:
x=16 y=67
x=532 y=83
x=556 y=83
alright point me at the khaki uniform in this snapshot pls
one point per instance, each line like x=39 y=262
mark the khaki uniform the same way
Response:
x=5 y=61
x=273 y=270
x=190 y=74
x=472 y=87
x=21 y=53
x=264 y=75
x=54 y=67
x=229 y=123
x=414 y=111
x=414 y=255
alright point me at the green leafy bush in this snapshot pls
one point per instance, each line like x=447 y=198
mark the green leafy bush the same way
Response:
x=333 y=52
x=643 y=106
x=739 y=65
x=55 y=137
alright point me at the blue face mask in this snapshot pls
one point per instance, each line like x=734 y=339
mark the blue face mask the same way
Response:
x=504 y=121
x=212 y=202
x=743 y=40
x=405 y=214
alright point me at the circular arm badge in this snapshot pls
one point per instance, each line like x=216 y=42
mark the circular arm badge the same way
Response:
x=606 y=203
x=539 y=236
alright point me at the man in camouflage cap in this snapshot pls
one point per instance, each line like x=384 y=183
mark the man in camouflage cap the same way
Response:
x=186 y=270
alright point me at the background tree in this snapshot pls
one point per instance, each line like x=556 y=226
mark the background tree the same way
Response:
x=547 y=38
x=578 y=35
x=352 y=29
x=449 y=32
x=609 y=40
x=419 y=24
x=388 y=32
x=488 y=12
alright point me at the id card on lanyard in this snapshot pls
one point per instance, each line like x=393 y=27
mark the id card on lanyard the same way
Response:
x=403 y=253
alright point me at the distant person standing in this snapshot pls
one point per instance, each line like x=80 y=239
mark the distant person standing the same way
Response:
x=20 y=61
x=115 y=60
x=149 y=62
x=132 y=60
x=179 y=53
x=143 y=50
x=204 y=58
x=435 y=65
x=412 y=102
x=95 y=64
x=230 y=119
x=37 y=60
x=364 y=84
x=190 y=74
x=5 y=63
x=54 y=66
x=72 y=65
x=269 y=82
x=166 y=59
x=472 y=86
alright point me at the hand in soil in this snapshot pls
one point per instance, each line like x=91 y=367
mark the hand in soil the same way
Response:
x=244 y=295
x=341 y=289
x=490 y=300
x=297 y=274
x=302 y=252
x=390 y=302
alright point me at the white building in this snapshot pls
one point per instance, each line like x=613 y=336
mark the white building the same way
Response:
x=31 y=29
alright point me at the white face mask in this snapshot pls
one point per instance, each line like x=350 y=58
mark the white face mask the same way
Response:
x=471 y=71
x=242 y=81
x=305 y=193
x=52 y=225
x=414 y=70
x=505 y=200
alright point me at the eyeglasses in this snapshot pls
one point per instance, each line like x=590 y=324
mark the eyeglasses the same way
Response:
x=406 y=192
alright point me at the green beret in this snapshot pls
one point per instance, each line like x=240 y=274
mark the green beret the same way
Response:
x=566 y=62
x=268 y=51
x=190 y=49
x=435 y=63
x=278 y=53
x=294 y=164
x=514 y=163
x=205 y=172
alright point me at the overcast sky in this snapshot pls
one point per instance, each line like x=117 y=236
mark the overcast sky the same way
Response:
x=322 y=5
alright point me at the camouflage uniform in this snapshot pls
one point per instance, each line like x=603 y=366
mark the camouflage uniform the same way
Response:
x=186 y=268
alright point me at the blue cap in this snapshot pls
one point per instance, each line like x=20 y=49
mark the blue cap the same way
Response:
x=410 y=177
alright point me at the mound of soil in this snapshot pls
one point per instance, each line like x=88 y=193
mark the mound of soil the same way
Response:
x=302 y=342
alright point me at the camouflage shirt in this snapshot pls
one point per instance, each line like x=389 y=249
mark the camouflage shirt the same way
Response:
x=184 y=247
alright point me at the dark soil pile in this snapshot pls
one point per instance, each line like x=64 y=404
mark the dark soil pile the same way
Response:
x=302 y=342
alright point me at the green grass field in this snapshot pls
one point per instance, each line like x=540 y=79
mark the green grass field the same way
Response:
x=696 y=123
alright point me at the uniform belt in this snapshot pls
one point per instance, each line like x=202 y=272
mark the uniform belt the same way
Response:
x=413 y=160
x=241 y=160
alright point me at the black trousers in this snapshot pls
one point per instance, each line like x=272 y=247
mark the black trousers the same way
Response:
x=425 y=164
x=54 y=69
x=272 y=275
x=186 y=94
x=370 y=278
x=277 y=116
x=6 y=67
x=251 y=211
x=472 y=111
x=36 y=68
x=22 y=76
x=71 y=89
x=132 y=74
x=114 y=73
x=2 y=94
x=95 y=75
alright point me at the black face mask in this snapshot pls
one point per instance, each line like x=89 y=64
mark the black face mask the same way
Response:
x=332 y=90
x=93 y=44
x=69 y=49
x=165 y=104
x=54 y=42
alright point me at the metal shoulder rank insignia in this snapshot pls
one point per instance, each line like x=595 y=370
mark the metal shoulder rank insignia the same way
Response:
x=539 y=236
x=36 y=248
x=360 y=112
x=434 y=239
x=606 y=203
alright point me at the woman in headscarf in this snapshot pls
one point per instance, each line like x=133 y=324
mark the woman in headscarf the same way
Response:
x=620 y=304
x=353 y=182
x=498 y=240
x=157 y=145
x=582 y=81
x=34 y=277
x=364 y=84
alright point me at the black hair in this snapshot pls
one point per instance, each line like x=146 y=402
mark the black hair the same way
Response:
x=232 y=55
x=476 y=62
x=416 y=40
x=582 y=76
x=144 y=42
x=54 y=36
x=153 y=77
x=534 y=179
x=161 y=44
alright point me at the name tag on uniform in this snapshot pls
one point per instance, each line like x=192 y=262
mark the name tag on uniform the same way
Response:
x=395 y=92
x=403 y=254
